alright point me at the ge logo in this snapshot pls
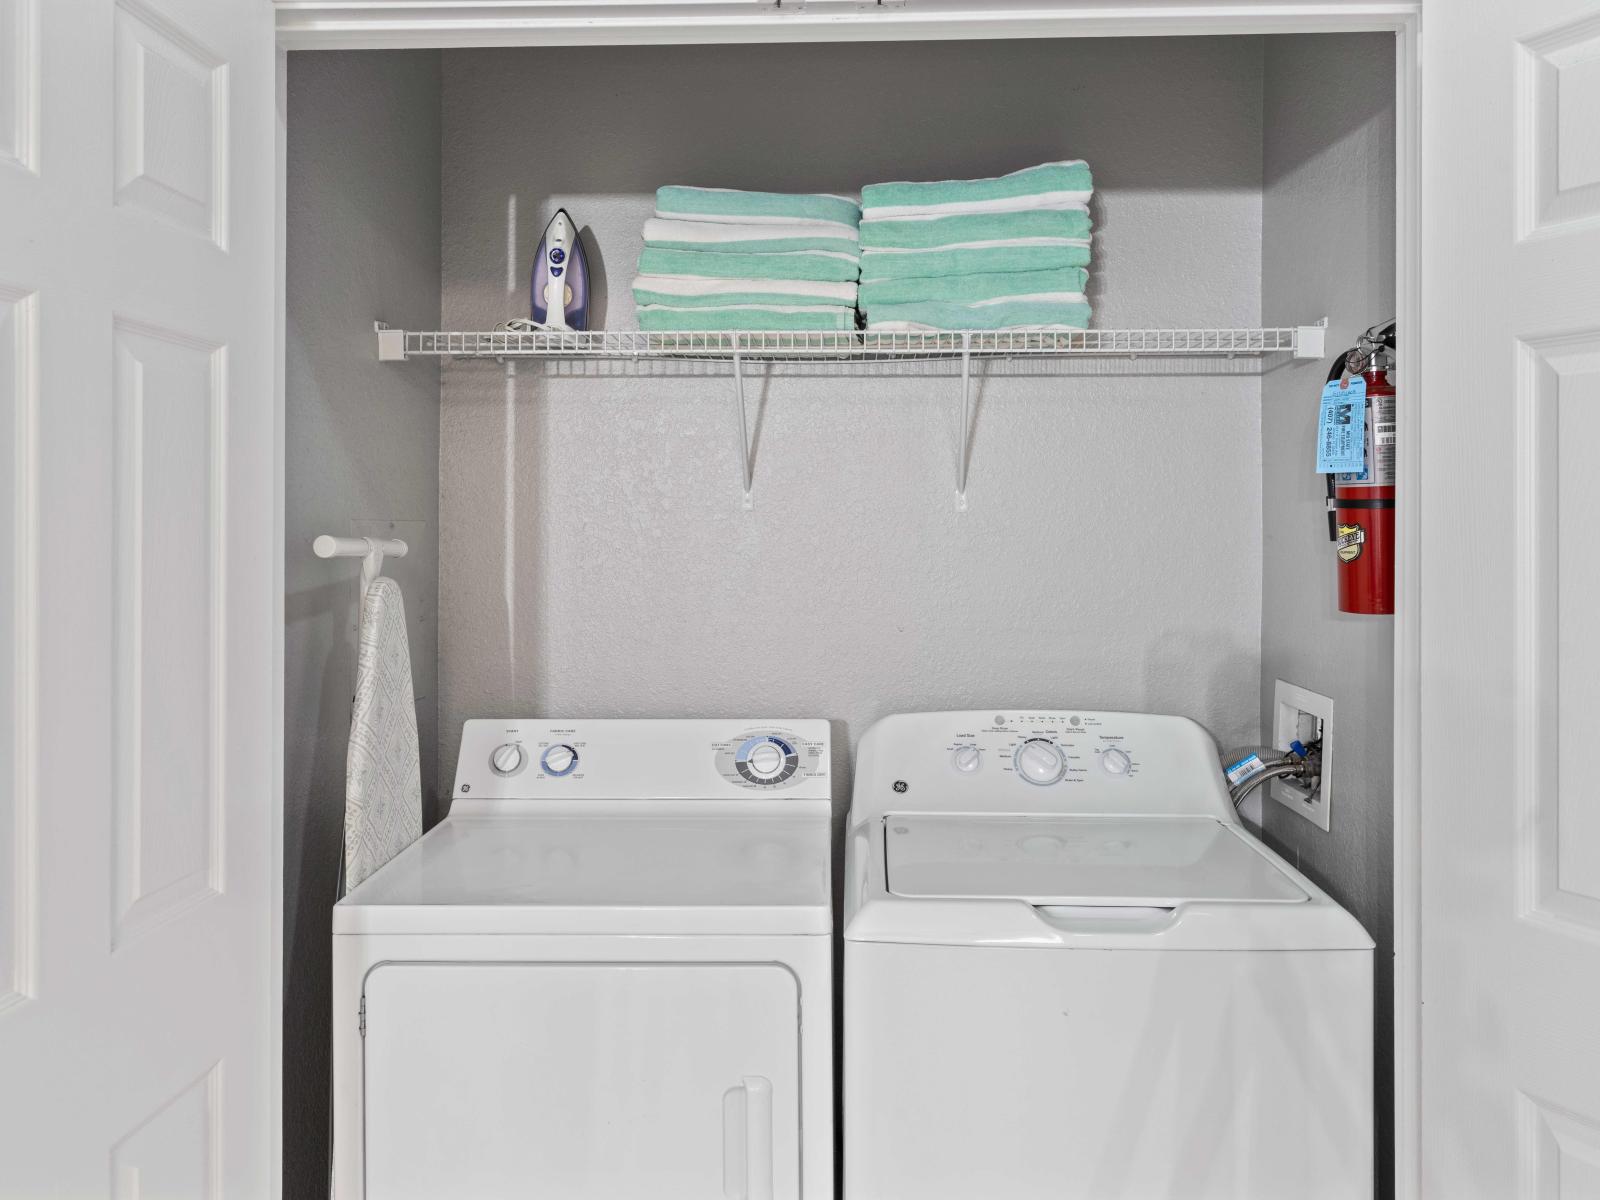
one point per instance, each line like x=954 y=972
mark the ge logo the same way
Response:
x=466 y=787
x=900 y=785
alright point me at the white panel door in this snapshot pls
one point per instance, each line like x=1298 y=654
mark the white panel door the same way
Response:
x=139 y=1024
x=582 y=1081
x=1509 y=592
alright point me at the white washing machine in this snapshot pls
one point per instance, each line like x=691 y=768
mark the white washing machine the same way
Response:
x=1071 y=974
x=605 y=976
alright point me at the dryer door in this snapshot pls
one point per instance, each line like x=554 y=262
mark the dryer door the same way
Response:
x=583 y=1081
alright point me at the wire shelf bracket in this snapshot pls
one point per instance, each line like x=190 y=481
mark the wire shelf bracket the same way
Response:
x=744 y=432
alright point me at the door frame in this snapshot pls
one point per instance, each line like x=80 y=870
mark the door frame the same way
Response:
x=450 y=24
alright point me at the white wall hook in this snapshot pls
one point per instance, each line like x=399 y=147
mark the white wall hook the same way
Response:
x=371 y=552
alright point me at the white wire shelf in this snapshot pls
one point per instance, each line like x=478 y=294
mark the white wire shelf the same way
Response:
x=967 y=353
x=395 y=345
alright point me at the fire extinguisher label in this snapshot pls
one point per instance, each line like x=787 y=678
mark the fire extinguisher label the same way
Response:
x=1350 y=542
x=1378 y=469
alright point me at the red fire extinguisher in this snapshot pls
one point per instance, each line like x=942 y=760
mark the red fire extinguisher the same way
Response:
x=1361 y=504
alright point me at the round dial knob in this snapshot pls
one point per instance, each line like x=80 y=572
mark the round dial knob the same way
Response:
x=1040 y=761
x=766 y=760
x=559 y=759
x=966 y=759
x=506 y=759
x=1116 y=762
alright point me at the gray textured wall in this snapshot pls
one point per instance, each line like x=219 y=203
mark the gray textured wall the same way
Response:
x=1328 y=238
x=362 y=455
x=595 y=556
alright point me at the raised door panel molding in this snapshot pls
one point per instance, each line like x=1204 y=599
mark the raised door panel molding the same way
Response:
x=19 y=83
x=1558 y=154
x=171 y=124
x=170 y=413
x=1560 y=1152
x=175 y=1153
x=1558 y=572
x=18 y=587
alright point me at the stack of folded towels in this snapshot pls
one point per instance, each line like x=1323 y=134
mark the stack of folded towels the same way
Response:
x=1004 y=253
x=716 y=259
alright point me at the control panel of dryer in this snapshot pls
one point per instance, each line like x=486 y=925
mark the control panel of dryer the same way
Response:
x=688 y=759
x=1029 y=760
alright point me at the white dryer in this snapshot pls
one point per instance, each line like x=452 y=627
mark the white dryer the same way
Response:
x=1070 y=974
x=605 y=976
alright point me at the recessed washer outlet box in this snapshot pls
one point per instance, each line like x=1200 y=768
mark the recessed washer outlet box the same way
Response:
x=1302 y=715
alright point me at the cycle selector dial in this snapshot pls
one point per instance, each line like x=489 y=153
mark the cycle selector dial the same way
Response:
x=1040 y=761
x=507 y=759
x=767 y=760
x=558 y=760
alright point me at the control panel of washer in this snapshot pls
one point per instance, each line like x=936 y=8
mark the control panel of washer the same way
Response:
x=519 y=759
x=1044 y=750
x=1033 y=760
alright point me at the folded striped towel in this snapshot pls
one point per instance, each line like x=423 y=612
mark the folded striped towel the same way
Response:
x=1016 y=254
x=1065 y=310
x=764 y=208
x=927 y=233
x=799 y=264
x=1049 y=185
x=971 y=289
x=716 y=238
x=662 y=318
x=682 y=291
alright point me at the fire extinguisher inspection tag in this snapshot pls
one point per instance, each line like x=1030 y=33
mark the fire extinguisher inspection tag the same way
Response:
x=1341 y=427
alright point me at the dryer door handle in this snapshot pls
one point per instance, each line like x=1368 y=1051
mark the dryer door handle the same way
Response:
x=747 y=1140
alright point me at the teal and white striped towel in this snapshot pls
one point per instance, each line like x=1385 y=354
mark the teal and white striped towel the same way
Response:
x=971 y=289
x=661 y=318
x=727 y=205
x=1015 y=254
x=1068 y=310
x=1050 y=185
x=682 y=291
x=801 y=264
x=717 y=238
x=928 y=233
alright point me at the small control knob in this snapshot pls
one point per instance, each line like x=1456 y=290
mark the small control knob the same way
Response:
x=1040 y=761
x=766 y=760
x=560 y=759
x=966 y=759
x=506 y=759
x=1116 y=762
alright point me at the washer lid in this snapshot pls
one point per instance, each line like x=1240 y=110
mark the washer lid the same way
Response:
x=592 y=870
x=1150 y=862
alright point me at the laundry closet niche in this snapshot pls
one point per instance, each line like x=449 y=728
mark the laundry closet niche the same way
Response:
x=1138 y=534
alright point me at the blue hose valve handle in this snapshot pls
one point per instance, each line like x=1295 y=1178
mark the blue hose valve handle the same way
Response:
x=1298 y=748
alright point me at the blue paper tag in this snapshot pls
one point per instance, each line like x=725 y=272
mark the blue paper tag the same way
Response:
x=1247 y=767
x=1341 y=428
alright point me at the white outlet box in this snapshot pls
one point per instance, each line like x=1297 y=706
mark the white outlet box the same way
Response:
x=1303 y=716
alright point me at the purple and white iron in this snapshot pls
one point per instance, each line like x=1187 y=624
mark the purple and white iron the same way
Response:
x=561 y=277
